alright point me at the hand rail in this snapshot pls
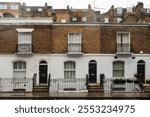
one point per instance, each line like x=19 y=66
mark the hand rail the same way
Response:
x=87 y=81
x=49 y=80
x=34 y=80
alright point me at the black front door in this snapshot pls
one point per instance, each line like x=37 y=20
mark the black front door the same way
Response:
x=141 y=70
x=92 y=71
x=43 y=73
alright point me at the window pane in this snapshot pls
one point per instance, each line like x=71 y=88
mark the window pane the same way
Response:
x=20 y=65
x=3 y=6
x=24 y=38
x=118 y=69
x=15 y=65
x=69 y=69
x=119 y=10
x=19 y=69
x=74 y=38
x=24 y=65
x=14 y=6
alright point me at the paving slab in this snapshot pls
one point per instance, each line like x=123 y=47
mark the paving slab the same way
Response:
x=75 y=95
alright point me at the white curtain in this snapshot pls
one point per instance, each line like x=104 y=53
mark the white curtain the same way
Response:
x=74 y=42
x=69 y=70
x=24 y=38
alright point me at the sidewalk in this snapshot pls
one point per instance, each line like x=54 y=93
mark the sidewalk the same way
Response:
x=72 y=96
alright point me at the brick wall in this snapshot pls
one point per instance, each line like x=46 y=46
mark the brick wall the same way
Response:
x=95 y=39
x=41 y=38
x=14 y=12
x=90 y=38
x=139 y=38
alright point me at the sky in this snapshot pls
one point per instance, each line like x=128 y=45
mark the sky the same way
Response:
x=102 y=5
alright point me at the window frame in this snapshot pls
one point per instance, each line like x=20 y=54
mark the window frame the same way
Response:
x=14 y=6
x=71 y=70
x=76 y=43
x=119 y=11
x=118 y=69
x=3 y=6
x=123 y=47
x=19 y=66
x=24 y=40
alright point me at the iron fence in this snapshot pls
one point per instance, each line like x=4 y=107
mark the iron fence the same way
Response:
x=123 y=48
x=121 y=85
x=61 y=84
x=16 y=84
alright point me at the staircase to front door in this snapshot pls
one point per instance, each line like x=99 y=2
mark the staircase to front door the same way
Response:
x=41 y=88
x=95 y=87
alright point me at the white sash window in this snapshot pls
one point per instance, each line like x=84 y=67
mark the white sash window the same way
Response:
x=69 y=70
x=74 y=43
x=118 y=69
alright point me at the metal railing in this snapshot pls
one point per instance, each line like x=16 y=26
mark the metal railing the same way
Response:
x=34 y=80
x=74 y=47
x=125 y=85
x=123 y=48
x=16 y=84
x=61 y=84
x=49 y=80
x=87 y=81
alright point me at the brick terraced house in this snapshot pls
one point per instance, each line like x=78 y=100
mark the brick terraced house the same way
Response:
x=46 y=49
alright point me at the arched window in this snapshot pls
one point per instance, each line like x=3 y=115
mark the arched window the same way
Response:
x=19 y=68
x=69 y=70
x=118 y=69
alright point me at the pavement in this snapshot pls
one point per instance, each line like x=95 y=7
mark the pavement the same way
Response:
x=74 y=96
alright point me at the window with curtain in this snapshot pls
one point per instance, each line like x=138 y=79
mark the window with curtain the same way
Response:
x=118 y=69
x=24 y=40
x=69 y=70
x=123 y=42
x=74 y=42
x=19 y=69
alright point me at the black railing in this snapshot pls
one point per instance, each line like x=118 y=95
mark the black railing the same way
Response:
x=34 y=80
x=49 y=80
x=123 y=48
x=87 y=81
x=102 y=77
x=121 y=85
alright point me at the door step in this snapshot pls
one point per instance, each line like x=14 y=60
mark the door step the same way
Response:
x=146 y=88
x=95 y=87
x=41 y=88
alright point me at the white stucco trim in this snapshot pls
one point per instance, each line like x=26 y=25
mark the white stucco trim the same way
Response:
x=24 y=29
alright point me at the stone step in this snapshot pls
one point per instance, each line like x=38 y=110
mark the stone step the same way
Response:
x=93 y=84
x=95 y=87
x=95 y=90
x=40 y=88
x=146 y=90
